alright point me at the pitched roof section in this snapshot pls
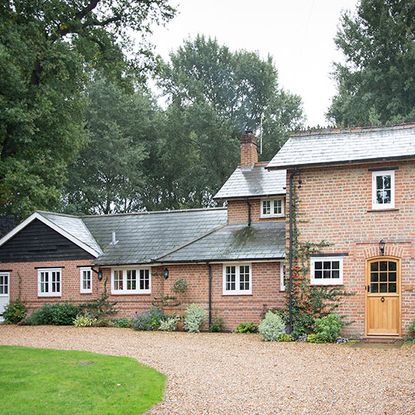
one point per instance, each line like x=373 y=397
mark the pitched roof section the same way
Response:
x=346 y=146
x=75 y=226
x=260 y=241
x=143 y=237
x=253 y=182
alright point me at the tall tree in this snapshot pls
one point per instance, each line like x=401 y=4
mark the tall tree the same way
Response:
x=108 y=174
x=376 y=85
x=47 y=48
x=216 y=94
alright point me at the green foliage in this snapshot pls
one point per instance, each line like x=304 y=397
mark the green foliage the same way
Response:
x=169 y=324
x=58 y=314
x=247 y=327
x=271 y=327
x=84 y=321
x=327 y=329
x=82 y=382
x=104 y=322
x=149 y=320
x=217 y=326
x=48 y=51
x=100 y=308
x=194 y=317
x=284 y=337
x=180 y=286
x=122 y=323
x=14 y=312
x=411 y=328
x=376 y=83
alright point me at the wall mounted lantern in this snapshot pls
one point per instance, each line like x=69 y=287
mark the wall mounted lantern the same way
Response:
x=382 y=247
x=166 y=273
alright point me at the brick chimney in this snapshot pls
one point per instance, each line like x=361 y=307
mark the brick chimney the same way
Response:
x=249 y=152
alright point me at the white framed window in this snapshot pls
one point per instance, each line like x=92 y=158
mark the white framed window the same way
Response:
x=85 y=280
x=326 y=270
x=4 y=283
x=282 y=276
x=272 y=208
x=237 y=279
x=131 y=281
x=49 y=282
x=383 y=189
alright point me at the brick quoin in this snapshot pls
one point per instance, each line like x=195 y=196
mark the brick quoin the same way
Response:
x=335 y=205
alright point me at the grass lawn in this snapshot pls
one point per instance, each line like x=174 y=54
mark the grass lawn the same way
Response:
x=41 y=381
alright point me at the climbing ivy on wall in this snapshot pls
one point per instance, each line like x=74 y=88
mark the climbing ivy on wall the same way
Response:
x=308 y=302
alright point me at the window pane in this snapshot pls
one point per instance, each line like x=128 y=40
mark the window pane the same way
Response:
x=392 y=266
x=326 y=274
x=392 y=276
x=387 y=196
x=335 y=265
x=144 y=279
x=318 y=265
x=383 y=288
x=327 y=264
x=379 y=182
x=380 y=197
x=387 y=181
x=374 y=288
x=318 y=274
x=277 y=207
x=374 y=266
x=374 y=277
x=244 y=278
x=383 y=276
x=266 y=207
x=335 y=274
x=383 y=265
x=118 y=280
x=230 y=278
x=392 y=287
x=131 y=279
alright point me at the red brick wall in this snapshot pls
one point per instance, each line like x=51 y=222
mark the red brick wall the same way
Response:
x=238 y=212
x=233 y=309
x=335 y=206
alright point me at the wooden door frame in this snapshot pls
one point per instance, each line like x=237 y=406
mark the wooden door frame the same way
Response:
x=398 y=287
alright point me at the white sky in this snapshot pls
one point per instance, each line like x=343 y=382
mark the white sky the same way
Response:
x=297 y=33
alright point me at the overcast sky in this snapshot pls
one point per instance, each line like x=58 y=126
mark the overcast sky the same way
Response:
x=297 y=33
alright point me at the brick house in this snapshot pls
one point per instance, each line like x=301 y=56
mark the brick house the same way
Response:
x=354 y=191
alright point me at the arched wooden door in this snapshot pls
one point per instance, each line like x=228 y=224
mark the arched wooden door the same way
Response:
x=383 y=303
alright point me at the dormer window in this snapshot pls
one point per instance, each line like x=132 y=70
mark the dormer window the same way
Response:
x=272 y=208
x=383 y=189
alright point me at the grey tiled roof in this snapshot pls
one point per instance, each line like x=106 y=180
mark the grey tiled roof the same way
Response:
x=343 y=147
x=251 y=182
x=264 y=240
x=75 y=226
x=143 y=237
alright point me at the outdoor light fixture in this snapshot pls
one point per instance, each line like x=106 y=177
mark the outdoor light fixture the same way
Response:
x=382 y=247
x=99 y=275
x=166 y=273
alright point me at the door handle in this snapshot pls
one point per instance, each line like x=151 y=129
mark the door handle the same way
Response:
x=382 y=299
x=368 y=288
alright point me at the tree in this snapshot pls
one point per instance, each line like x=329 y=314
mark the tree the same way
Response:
x=108 y=174
x=214 y=94
x=47 y=51
x=376 y=85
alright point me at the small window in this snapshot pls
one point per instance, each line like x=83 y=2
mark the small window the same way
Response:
x=383 y=189
x=327 y=271
x=272 y=208
x=49 y=282
x=237 y=279
x=86 y=280
x=4 y=284
x=282 y=276
x=131 y=281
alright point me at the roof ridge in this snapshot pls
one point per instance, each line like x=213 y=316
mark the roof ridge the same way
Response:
x=189 y=243
x=153 y=212
x=344 y=130
x=58 y=214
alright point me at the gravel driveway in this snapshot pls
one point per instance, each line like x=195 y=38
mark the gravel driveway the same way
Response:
x=239 y=374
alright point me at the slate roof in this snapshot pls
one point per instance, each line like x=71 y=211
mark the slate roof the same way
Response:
x=143 y=237
x=346 y=146
x=75 y=226
x=253 y=182
x=261 y=240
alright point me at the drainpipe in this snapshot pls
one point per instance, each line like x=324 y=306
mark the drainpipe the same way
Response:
x=249 y=212
x=291 y=259
x=210 y=293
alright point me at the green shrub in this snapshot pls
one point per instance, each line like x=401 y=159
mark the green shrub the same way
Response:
x=122 y=323
x=247 y=327
x=100 y=308
x=169 y=324
x=327 y=329
x=14 y=312
x=271 y=327
x=59 y=314
x=84 y=321
x=217 y=326
x=411 y=328
x=194 y=317
x=149 y=320
x=284 y=337
x=179 y=286
x=104 y=322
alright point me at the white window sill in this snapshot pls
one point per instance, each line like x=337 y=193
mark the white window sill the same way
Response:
x=86 y=292
x=326 y=283
x=130 y=292
x=233 y=293
x=49 y=295
x=271 y=216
